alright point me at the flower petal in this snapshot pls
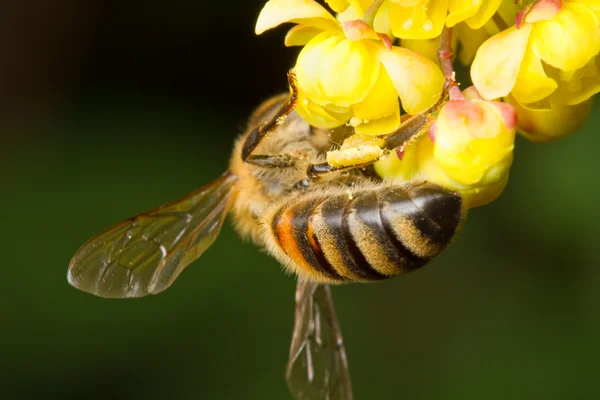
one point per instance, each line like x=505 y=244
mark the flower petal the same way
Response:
x=308 y=12
x=418 y=22
x=532 y=84
x=299 y=35
x=484 y=13
x=358 y=30
x=381 y=23
x=349 y=70
x=426 y=47
x=569 y=40
x=578 y=86
x=550 y=122
x=318 y=116
x=498 y=60
x=543 y=10
x=310 y=61
x=470 y=40
x=338 y=5
x=381 y=101
x=381 y=126
x=460 y=10
x=594 y=5
x=417 y=79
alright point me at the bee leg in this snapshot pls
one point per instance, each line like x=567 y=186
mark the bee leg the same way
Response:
x=317 y=170
x=260 y=132
x=412 y=129
x=409 y=130
x=272 y=160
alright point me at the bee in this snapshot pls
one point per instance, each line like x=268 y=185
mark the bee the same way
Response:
x=326 y=225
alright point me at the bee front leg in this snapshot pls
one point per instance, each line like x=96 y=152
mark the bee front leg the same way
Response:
x=259 y=133
x=272 y=160
x=320 y=169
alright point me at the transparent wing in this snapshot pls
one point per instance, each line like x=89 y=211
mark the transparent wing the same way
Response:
x=144 y=254
x=317 y=367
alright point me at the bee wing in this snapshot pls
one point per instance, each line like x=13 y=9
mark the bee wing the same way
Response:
x=317 y=367
x=144 y=254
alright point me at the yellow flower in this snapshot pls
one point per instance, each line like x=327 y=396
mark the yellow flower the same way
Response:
x=469 y=149
x=553 y=49
x=360 y=6
x=424 y=19
x=546 y=121
x=348 y=73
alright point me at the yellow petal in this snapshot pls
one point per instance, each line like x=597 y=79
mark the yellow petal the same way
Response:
x=485 y=12
x=594 y=5
x=307 y=12
x=569 y=40
x=318 y=116
x=310 y=61
x=381 y=23
x=498 y=60
x=578 y=86
x=470 y=40
x=551 y=122
x=358 y=30
x=338 y=5
x=360 y=6
x=543 y=10
x=426 y=47
x=418 y=22
x=350 y=14
x=348 y=72
x=417 y=79
x=391 y=167
x=532 y=84
x=381 y=101
x=381 y=126
x=460 y=10
x=299 y=35
x=410 y=3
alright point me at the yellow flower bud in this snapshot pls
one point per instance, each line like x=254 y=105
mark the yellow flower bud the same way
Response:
x=474 y=140
x=469 y=149
x=546 y=122
x=473 y=195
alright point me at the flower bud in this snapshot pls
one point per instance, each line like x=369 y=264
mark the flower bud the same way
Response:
x=474 y=140
x=544 y=123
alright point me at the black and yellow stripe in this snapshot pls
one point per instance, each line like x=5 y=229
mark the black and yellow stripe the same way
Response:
x=371 y=235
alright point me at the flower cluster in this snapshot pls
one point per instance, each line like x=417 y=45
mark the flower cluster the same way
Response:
x=534 y=65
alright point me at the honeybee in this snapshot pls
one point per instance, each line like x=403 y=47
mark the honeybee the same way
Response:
x=326 y=225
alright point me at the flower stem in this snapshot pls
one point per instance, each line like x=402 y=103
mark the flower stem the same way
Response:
x=445 y=55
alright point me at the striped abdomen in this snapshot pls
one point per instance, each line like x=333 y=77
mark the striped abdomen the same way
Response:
x=373 y=234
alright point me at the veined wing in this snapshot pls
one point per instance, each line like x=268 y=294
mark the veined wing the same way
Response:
x=144 y=254
x=317 y=367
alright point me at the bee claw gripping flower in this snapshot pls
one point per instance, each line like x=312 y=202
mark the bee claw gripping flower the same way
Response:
x=538 y=59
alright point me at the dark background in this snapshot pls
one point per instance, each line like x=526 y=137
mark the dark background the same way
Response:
x=110 y=108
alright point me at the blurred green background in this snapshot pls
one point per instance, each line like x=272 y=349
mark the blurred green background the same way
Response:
x=110 y=108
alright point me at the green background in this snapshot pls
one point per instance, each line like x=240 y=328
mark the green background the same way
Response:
x=108 y=111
